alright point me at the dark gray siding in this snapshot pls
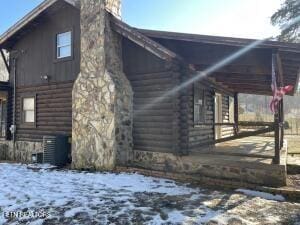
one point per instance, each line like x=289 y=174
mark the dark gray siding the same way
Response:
x=155 y=125
x=194 y=136
x=226 y=130
x=37 y=58
x=37 y=50
x=53 y=111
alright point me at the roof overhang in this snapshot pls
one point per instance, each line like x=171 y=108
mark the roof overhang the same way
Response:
x=29 y=18
x=250 y=73
x=143 y=41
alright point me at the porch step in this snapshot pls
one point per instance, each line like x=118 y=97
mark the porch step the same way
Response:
x=293 y=164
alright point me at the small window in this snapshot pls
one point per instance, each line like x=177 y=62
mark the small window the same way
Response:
x=28 y=110
x=231 y=109
x=64 y=45
x=199 y=105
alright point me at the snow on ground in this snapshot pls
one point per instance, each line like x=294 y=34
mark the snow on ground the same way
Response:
x=261 y=194
x=42 y=196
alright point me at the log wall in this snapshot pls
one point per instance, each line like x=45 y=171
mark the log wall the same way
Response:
x=193 y=136
x=226 y=130
x=53 y=111
x=155 y=121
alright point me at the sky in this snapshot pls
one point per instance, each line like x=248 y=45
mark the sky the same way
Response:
x=234 y=18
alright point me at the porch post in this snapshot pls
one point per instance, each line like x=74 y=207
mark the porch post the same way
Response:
x=236 y=113
x=277 y=137
x=281 y=124
x=277 y=114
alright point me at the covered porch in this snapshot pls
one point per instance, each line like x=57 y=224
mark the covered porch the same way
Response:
x=233 y=66
x=229 y=67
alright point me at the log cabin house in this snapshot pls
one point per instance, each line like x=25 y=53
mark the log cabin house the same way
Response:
x=140 y=98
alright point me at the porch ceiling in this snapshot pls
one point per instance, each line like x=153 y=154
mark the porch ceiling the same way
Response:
x=250 y=73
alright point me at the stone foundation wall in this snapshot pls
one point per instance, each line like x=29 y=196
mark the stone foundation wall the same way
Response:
x=22 y=151
x=262 y=174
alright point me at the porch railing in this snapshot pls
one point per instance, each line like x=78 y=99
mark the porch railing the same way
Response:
x=277 y=127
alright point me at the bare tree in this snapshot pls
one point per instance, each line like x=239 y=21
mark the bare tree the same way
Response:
x=3 y=70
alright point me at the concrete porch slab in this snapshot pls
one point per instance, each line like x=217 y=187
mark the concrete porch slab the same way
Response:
x=253 y=165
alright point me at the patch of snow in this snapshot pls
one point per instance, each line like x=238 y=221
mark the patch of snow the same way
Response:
x=37 y=222
x=260 y=194
x=24 y=187
x=44 y=166
x=72 y=212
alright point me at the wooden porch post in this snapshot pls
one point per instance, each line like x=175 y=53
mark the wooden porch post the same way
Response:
x=281 y=124
x=277 y=115
x=277 y=138
x=236 y=113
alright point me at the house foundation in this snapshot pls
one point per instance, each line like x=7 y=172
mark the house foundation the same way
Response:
x=102 y=95
x=21 y=152
x=235 y=169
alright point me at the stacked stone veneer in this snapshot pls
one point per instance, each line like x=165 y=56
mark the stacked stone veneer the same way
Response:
x=198 y=166
x=102 y=95
x=114 y=7
x=22 y=151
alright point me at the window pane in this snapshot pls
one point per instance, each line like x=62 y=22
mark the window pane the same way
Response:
x=64 y=39
x=64 y=52
x=231 y=109
x=28 y=104
x=29 y=116
x=199 y=105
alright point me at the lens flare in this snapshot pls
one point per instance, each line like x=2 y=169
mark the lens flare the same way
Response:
x=205 y=73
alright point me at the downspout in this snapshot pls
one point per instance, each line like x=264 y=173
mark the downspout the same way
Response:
x=14 y=128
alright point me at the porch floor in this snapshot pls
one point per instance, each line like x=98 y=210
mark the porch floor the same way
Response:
x=252 y=149
x=257 y=146
x=246 y=160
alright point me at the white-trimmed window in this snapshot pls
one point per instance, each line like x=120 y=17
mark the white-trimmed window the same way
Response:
x=64 y=45
x=199 y=105
x=28 y=104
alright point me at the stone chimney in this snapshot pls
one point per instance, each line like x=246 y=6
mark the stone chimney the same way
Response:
x=102 y=95
x=114 y=7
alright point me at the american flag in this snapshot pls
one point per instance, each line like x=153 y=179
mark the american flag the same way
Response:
x=278 y=92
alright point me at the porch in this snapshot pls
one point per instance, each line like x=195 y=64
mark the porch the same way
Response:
x=249 y=160
x=243 y=155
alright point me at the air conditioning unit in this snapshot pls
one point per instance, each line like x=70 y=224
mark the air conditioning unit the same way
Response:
x=55 y=150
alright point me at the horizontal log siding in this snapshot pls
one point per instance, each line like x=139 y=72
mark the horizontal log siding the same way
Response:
x=199 y=134
x=193 y=136
x=155 y=126
x=226 y=131
x=53 y=111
